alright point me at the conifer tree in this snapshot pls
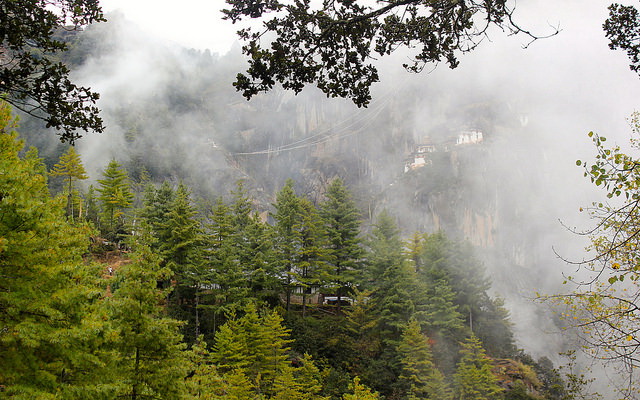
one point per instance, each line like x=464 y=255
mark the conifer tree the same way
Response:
x=419 y=374
x=70 y=167
x=93 y=211
x=385 y=249
x=252 y=242
x=448 y=264
x=47 y=291
x=360 y=392
x=257 y=347
x=156 y=205
x=255 y=344
x=181 y=243
x=391 y=279
x=182 y=251
x=115 y=196
x=287 y=238
x=473 y=378
x=313 y=270
x=341 y=222
x=149 y=355
x=223 y=274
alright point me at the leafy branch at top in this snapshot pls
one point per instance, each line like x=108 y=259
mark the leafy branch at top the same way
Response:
x=333 y=46
x=30 y=79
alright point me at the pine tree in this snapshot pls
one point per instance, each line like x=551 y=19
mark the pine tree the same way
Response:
x=391 y=279
x=360 y=392
x=287 y=238
x=181 y=245
x=92 y=214
x=228 y=285
x=115 y=196
x=252 y=242
x=47 y=291
x=455 y=264
x=385 y=249
x=70 y=167
x=257 y=346
x=156 y=204
x=341 y=221
x=149 y=355
x=419 y=374
x=182 y=251
x=313 y=269
x=473 y=378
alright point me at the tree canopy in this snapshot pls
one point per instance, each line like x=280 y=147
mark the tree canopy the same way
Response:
x=31 y=79
x=622 y=28
x=334 y=45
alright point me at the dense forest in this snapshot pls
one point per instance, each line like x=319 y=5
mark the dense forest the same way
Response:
x=138 y=289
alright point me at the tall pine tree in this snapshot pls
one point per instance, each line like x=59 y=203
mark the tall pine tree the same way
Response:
x=116 y=197
x=71 y=169
x=147 y=349
x=473 y=378
x=342 y=224
x=47 y=291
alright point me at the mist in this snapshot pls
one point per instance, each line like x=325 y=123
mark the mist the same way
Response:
x=173 y=112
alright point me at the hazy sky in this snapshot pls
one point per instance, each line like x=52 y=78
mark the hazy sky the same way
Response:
x=193 y=23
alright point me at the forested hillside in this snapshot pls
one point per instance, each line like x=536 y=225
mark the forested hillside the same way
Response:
x=143 y=290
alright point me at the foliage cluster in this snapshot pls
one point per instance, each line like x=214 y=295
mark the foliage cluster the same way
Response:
x=31 y=78
x=333 y=44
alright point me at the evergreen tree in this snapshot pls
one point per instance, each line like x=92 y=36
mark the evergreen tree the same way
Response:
x=420 y=376
x=70 y=167
x=258 y=347
x=385 y=249
x=390 y=278
x=228 y=285
x=115 y=196
x=299 y=244
x=255 y=344
x=473 y=378
x=360 y=392
x=287 y=238
x=149 y=355
x=313 y=270
x=47 y=291
x=93 y=211
x=182 y=251
x=181 y=245
x=341 y=222
x=252 y=244
x=451 y=264
x=156 y=205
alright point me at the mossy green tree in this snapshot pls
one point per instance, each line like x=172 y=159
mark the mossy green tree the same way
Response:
x=47 y=292
x=257 y=346
x=149 y=358
x=420 y=377
x=474 y=379
x=341 y=221
x=71 y=169
x=229 y=287
x=182 y=251
x=287 y=238
x=115 y=197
